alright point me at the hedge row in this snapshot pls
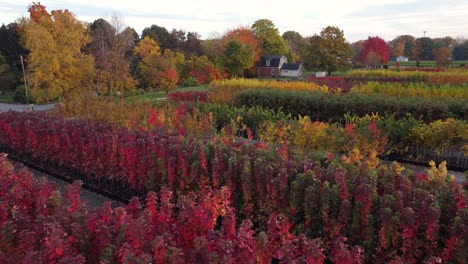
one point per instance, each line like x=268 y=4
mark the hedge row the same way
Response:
x=333 y=107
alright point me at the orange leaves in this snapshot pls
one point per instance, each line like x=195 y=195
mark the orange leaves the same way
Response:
x=167 y=79
x=37 y=11
x=244 y=35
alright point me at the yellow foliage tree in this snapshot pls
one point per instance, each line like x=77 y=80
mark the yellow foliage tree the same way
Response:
x=156 y=70
x=56 y=65
x=150 y=56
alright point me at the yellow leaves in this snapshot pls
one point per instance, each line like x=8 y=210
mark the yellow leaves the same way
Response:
x=146 y=49
x=397 y=168
x=354 y=157
x=414 y=89
x=223 y=91
x=439 y=174
x=440 y=133
x=56 y=64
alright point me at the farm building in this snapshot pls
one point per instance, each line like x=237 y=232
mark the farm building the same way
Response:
x=270 y=66
x=401 y=58
x=292 y=70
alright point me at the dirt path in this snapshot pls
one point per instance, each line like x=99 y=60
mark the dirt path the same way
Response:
x=93 y=200
x=5 y=107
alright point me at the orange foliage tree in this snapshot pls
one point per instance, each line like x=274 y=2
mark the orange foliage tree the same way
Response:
x=56 y=64
x=37 y=11
x=244 y=35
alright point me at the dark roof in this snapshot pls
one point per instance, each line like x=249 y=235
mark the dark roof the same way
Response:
x=274 y=61
x=291 y=66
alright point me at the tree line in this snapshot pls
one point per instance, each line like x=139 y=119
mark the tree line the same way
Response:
x=66 y=57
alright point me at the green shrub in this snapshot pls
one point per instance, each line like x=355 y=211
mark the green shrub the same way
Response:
x=20 y=95
x=332 y=107
x=190 y=81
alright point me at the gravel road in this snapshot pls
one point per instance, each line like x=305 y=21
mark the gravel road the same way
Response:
x=5 y=107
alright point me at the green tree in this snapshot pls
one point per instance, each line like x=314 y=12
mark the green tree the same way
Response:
x=56 y=64
x=238 y=57
x=213 y=49
x=329 y=51
x=159 y=34
x=460 y=51
x=8 y=79
x=296 y=44
x=404 y=45
x=10 y=46
x=425 y=45
x=270 y=40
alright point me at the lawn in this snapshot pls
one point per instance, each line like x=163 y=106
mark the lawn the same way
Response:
x=6 y=98
x=162 y=94
x=425 y=63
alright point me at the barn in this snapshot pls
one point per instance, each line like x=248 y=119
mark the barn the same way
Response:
x=294 y=70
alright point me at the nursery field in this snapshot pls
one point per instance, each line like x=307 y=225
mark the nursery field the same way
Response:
x=247 y=171
x=426 y=63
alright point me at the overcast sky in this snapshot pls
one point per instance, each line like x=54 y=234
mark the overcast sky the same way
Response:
x=357 y=18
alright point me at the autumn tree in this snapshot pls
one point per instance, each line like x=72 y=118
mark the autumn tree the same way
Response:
x=244 y=35
x=270 y=40
x=329 y=51
x=174 y=59
x=213 y=48
x=176 y=40
x=404 y=45
x=110 y=45
x=374 y=52
x=149 y=54
x=357 y=47
x=201 y=68
x=445 y=42
x=192 y=45
x=443 y=56
x=155 y=71
x=56 y=64
x=296 y=44
x=238 y=57
x=8 y=78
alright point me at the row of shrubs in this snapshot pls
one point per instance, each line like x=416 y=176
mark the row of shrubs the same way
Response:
x=333 y=107
x=385 y=214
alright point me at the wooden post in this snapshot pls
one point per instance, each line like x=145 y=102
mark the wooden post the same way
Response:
x=24 y=78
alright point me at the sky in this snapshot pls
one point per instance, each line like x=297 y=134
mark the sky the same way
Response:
x=358 y=19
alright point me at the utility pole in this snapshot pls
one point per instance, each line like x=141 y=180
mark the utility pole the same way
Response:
x=24 y=78
x=424 y=33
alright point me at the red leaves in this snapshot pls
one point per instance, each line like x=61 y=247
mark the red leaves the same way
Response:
x=342 y=253
x=349 y=129
x=37 y=11
x=206 y=188
x=373 y=128
x=376 y=46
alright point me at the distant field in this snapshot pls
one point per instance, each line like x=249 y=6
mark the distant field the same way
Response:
x=425 y=63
